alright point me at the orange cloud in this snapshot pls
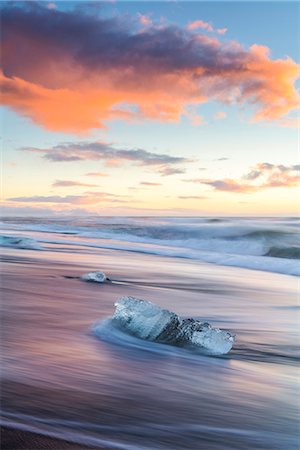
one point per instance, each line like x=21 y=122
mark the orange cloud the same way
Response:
x=76 y=72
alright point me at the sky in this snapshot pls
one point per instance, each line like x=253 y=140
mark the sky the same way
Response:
x=150 y=108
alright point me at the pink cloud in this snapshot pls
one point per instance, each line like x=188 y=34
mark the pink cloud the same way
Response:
x=222 y=30
x=200 y=24
x=262 y=176
x=145 y=20
x=220 y=115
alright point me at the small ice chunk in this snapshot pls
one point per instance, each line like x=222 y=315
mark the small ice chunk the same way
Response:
x=96 y=277
x=145 y=320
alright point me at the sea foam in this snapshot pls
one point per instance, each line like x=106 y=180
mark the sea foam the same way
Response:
x=145 y=320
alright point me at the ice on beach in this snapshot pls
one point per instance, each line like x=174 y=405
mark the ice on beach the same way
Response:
x=96 y=277
x=217 y=342
x=144 y=319
x=147 y=321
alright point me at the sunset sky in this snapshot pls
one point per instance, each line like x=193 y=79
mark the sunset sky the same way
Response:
x=174 y=108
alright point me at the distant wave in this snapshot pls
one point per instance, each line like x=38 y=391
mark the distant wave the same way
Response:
x=268 y=244
x=282 y=252
x=19 y=242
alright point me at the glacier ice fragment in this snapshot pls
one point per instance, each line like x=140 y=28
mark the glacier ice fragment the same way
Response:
x=144 y=319
x=96 y=277
x=147 y=321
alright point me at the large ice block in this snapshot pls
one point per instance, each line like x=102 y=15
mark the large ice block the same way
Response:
x=145 y=320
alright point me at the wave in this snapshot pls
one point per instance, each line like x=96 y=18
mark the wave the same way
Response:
x=260 y=244
x=282 y=252
x=19 y=242
x=262 y=263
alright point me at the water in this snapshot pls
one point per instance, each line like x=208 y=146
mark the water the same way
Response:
x=114 y=390
x=270 y=244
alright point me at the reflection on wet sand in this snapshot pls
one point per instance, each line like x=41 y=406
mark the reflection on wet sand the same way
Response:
x=120 y=392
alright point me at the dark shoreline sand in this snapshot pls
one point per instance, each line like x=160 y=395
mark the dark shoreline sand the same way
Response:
x=13 y=439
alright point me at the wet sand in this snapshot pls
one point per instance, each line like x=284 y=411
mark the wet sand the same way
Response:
x=60 y=378
x=13 y=439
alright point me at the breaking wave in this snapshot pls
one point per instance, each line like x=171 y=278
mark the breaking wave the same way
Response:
x=284 y=252
x=268 y=244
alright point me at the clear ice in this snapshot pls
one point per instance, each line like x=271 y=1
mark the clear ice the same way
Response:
x=96 y=277
x=147 y=321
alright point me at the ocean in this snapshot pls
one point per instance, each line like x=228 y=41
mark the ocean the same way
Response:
x=68 y=373
x=270 y=244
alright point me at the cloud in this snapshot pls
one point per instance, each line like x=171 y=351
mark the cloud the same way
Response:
x=200 y=24
x=220 y=115
x=148 y=183
x=96 y=174
x=261 y=176
x=272 y=175
x=205 y=26
x=229 y=185
x=91 y=66
x=166 y=171
x=87 y=198
x=190 y=197
x=112 y=156
x=69 y=183
x=145 y=20
x=222 y=30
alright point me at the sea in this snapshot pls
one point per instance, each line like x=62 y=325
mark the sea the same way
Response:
x=69 y=373
x=269 y=244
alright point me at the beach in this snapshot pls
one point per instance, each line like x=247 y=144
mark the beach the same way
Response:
x=12 y=439
x=67 y=375
x=149 y=230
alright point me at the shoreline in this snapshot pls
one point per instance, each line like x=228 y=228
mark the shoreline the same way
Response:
x=61 y=383
x=15 y=439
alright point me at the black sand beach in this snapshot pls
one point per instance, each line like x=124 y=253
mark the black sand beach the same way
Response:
x=13 y=439
x=115 y=391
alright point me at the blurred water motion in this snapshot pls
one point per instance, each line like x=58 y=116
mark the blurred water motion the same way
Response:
x=61 y=379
